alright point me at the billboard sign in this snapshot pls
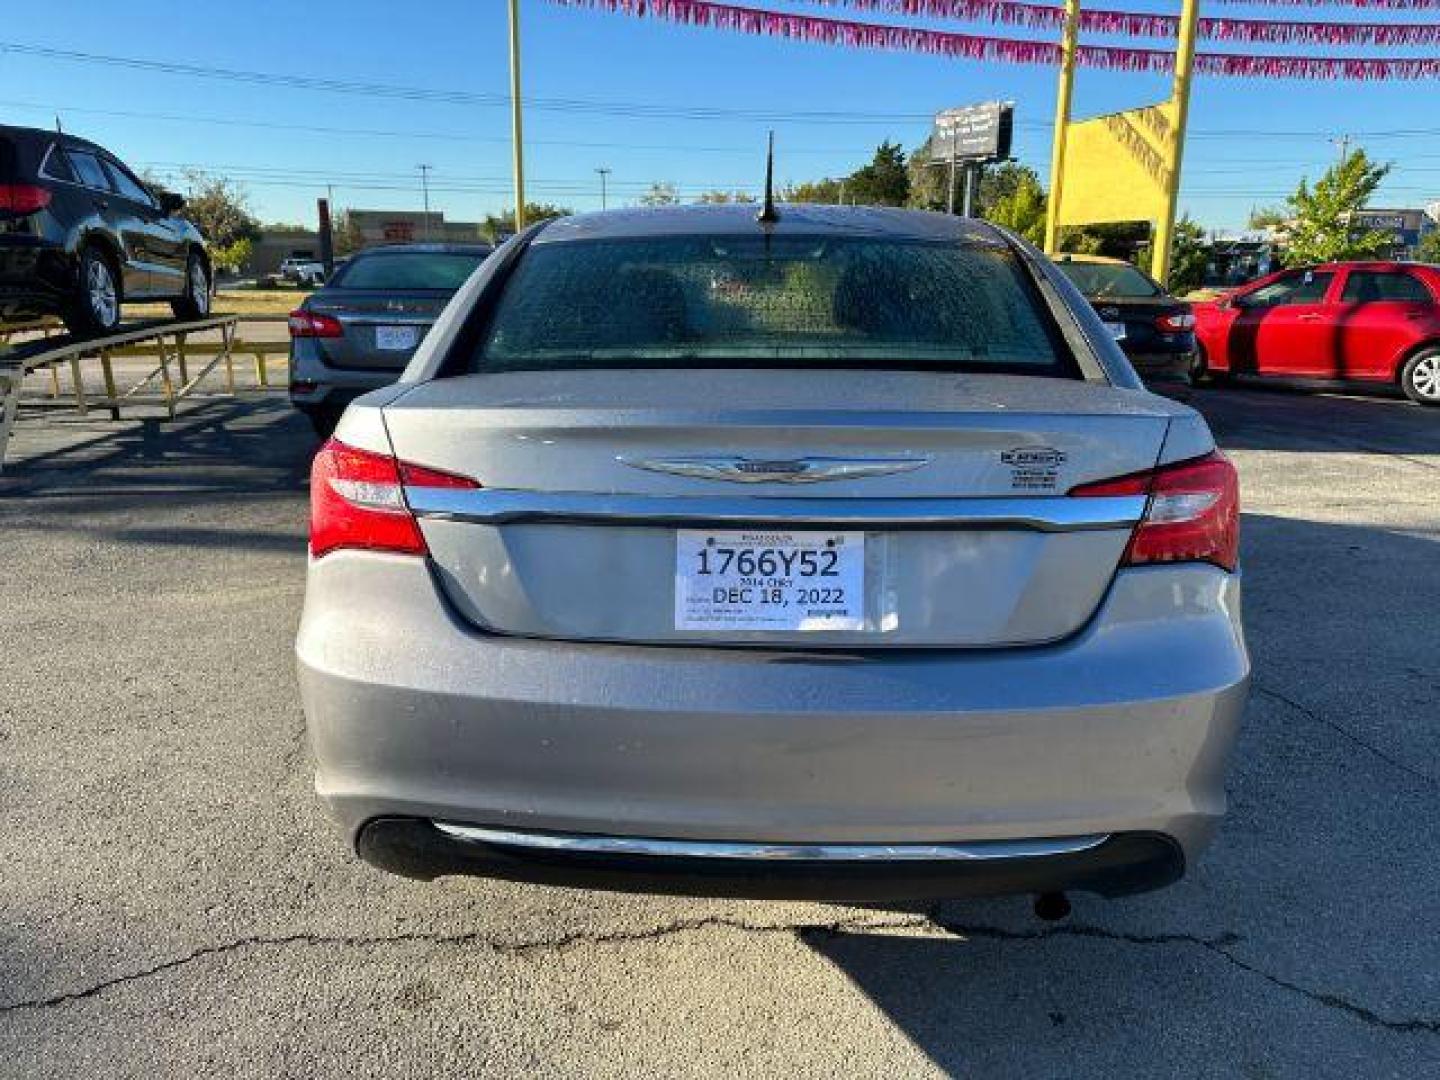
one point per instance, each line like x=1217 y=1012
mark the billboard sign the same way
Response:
x=1406 y=227
x=973 y=133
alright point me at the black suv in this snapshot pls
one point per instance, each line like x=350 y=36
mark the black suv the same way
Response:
x=79 y=235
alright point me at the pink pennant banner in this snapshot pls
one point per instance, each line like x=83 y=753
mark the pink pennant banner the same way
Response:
x=810 y=28
x=1136 y=24
x=1390 y=5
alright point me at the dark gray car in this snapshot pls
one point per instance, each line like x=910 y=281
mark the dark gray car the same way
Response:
x=359 y=331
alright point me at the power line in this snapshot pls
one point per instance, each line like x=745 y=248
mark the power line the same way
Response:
x=636 y=110
x=455 y=97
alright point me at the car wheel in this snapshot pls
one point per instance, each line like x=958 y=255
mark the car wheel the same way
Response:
x=324 y=419
x=195 y=303
x=1199 y=369
x=1420 y=377
x=95 y=307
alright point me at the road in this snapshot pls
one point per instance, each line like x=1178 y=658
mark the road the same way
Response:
x=176 y=904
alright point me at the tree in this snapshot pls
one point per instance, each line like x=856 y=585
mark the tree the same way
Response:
x=348 y=237
x=815 y=191
x=1429 y=249
x=1321 y=226
x=720 y=197
x=503 y=224
x=1269 y=219
x=927 y=179
x=1189 y=256
x=661 y=193
x=1002 y=182
x=219 y=208
x=232 y=256
x=1022 y=208
x=884 y=182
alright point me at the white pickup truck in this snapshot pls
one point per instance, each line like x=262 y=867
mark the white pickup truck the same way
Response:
x=303 y=271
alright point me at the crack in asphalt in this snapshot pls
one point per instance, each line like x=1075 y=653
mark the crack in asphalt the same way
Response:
x=1220 y=945
x=472 y=937
x=1340 y=729
x=293 y=755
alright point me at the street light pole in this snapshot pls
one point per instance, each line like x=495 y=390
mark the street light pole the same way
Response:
x=604 y=172
x=517 y=135
x=1184 y=70
x=425 y=190
x=1069 y=40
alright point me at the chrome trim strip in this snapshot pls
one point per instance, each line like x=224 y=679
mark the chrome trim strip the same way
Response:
x=489 y=506
x=579 y=843
x=808 y=470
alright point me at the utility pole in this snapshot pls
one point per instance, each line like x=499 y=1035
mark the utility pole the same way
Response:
x=1343 y=142
x=1184 y=69
x=425 y=189
x=954 y=162
x=604 y=172
x=517 y=135
x=1069 y=39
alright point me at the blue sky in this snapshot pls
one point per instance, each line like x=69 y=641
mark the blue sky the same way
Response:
x=636 y=96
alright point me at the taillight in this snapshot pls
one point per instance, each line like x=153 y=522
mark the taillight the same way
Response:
x=304 y=323
x=357 y=500
x=23 y=198
x=1177 y=323
x=1193 y=512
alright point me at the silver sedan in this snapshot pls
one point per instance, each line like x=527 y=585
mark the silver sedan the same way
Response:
x=839 y=556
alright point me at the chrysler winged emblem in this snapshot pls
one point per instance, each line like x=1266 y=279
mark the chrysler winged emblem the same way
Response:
x=809 y=470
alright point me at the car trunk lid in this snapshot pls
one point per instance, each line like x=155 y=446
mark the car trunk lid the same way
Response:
x=381 y=329
x=943 y=494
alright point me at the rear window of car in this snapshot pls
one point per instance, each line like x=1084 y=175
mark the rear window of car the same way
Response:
x=408 y=270
x=753 y=301
x=88 y=168
x=1110 y=280
x=1374 y=287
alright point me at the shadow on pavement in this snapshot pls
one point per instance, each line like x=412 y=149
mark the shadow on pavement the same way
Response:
x=1270 y=417
x=1302 y=918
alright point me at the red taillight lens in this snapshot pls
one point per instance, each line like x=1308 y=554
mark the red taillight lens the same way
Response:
x=1193 y=514
x=23 y=198
x=308 y=324
x=1178 y=323
x=357 y=500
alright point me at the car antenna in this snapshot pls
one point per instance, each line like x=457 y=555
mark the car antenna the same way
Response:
x=768 y=214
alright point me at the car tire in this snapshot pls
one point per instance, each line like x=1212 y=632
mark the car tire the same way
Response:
x=195 y=303
x=1199 y=369
x=1420 y=377
x=324 y=419
x=94 y=309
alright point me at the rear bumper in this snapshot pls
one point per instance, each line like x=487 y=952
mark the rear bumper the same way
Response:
x=1123 y=729
x=36 y=275
x=314 y=384
x=1110 y=866
x=1164 y=366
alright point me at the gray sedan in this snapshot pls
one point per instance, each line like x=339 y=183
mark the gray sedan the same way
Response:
x=839 y=556
x=360 y=330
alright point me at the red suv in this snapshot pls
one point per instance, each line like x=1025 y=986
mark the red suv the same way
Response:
x=1351 y=322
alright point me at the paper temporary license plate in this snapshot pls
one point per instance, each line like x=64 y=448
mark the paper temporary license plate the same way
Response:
x=396 y=338
x=765 y=580
x=1117 y=330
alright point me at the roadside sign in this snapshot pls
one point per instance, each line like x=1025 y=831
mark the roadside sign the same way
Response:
x=974 y=133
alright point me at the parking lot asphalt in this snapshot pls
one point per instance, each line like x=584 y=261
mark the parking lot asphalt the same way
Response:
x=175 y=903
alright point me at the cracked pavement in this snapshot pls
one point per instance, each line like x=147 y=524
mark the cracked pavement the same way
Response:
x=175 y=903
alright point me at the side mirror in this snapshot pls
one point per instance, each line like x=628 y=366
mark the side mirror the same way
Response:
x=171 y=203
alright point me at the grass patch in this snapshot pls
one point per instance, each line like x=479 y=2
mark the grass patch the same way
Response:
x=232 y=302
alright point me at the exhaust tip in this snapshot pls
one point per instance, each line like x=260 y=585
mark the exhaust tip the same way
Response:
x=1052 y=906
